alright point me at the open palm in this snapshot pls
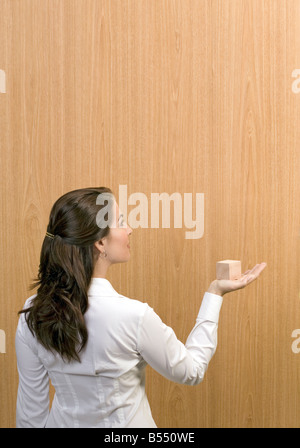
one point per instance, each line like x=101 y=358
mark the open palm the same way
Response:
x=224 y=286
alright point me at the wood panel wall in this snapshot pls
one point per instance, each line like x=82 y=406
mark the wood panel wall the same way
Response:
x=188 y=96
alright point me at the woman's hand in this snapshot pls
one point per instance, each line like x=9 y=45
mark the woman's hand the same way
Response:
x=221 y=287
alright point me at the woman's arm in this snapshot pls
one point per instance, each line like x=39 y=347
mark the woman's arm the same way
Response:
x=187 y=364
x=33 y=390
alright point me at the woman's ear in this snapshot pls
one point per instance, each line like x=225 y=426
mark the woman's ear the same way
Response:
x=100 y=246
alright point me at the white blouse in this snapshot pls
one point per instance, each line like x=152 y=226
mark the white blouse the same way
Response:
x=107 y=388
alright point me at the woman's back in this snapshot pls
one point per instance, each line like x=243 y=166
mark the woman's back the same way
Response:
x=106 y=388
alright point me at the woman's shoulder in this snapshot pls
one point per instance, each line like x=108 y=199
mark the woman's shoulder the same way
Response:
x=118 y=306
x=134 y=303
x=28 y=302
x=23 y=331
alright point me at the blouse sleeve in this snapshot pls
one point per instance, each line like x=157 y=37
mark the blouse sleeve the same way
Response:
x=33 y=391
x=185 y=364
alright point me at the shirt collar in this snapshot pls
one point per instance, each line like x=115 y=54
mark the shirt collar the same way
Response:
x=101 y=287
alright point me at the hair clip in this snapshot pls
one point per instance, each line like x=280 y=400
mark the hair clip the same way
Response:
x=50 y=235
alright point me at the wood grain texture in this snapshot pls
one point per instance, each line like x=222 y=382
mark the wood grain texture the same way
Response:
x=165 y=96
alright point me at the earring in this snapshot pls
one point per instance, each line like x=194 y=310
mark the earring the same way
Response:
x=104 y=255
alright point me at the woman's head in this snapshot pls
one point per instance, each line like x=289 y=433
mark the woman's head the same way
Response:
x=83 y=237
x=113 y=247
x=90 y=218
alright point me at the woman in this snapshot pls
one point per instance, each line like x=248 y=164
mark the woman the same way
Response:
x=92 y=342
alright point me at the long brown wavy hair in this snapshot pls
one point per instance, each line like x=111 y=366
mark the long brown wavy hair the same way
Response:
x=56 y=314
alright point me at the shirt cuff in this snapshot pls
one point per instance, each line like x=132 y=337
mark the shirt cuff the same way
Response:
x=210 y=307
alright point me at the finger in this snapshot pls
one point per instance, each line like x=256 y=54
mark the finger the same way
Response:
x=245 y=277
x=255 y=272
x=257 y=268
x=252 y=271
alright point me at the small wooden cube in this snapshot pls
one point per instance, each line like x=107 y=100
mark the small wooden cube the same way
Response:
x=229 y=270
